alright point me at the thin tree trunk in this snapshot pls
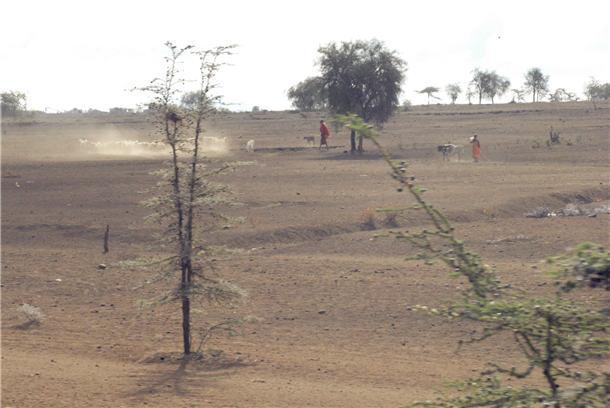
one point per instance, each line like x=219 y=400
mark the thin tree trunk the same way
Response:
x=186 y=310
x=534 y=95
x=352 y=138
x=187 y=268
x=184 y=258
x=177 y=197
x=106 y=237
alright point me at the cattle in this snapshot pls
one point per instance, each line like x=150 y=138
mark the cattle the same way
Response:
x=449 y=149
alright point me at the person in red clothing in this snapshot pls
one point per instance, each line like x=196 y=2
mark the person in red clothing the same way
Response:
x=324 y=135
x=476 y=148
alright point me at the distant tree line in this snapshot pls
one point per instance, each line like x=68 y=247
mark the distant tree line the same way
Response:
x=351 y=68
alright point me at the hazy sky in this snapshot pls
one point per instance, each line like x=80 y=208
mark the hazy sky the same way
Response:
x=88 y=54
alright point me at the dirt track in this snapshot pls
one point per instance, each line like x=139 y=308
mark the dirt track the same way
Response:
x=335 y=328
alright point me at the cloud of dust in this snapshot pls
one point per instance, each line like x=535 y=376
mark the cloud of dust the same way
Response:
x=114 y=143
x=214 y=145
x=75 y=141
x=127 y=147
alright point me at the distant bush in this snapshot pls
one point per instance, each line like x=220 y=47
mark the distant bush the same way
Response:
x=595 y=90
x=95 y=112
x=309 y=95
x=540 y=212
x=562 y=95
x=587 y=265
x=32 y=314
x=367 y=219
x=390 y=220
x=120 y=111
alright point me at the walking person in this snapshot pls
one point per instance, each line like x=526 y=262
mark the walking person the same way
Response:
x=476 y=148
x=324 y=135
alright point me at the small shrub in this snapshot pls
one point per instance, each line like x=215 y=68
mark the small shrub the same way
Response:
x=391 y=220
x=367 y=219
x=604 y=209
x=587 y=265
x=32 y=314
x=572 y=210
x=540 y=212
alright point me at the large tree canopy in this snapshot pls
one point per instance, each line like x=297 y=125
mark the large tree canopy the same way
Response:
x=362 y=77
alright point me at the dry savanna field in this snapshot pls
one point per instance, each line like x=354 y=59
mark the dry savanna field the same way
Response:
x=334 y=325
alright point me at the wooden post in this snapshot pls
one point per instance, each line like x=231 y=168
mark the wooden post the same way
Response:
x=106 y=236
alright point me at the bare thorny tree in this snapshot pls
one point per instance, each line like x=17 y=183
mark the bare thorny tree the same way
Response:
x=188 y=199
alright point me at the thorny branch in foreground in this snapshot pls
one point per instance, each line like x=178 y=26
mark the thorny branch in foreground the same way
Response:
x=555 y=335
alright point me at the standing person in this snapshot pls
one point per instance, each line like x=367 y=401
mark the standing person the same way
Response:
x=324 y=135
x=476 y=148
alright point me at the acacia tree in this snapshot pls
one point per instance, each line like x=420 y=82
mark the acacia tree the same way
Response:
x=595 y=90
x=453 y=91
x=308 y=95
x=362 y=77
x=430 y=91
x=536 y=83
x=489 y=84
x=496 y=85
x=190 y=100
x=469 y=94
x=479 y=83
x=562 y=95
x=188 y=197
x=518 y=95
x=556 y=336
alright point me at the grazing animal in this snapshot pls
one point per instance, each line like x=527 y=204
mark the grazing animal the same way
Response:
x=554 y=137
x=250 y=145
x=449 y=149
x=311 y=140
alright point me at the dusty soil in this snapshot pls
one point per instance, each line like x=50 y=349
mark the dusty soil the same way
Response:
x=334 y=327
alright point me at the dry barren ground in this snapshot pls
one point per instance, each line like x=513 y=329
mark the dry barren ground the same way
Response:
x=334 y=325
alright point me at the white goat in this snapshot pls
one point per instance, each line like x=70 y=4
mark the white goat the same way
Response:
x=250 y=145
